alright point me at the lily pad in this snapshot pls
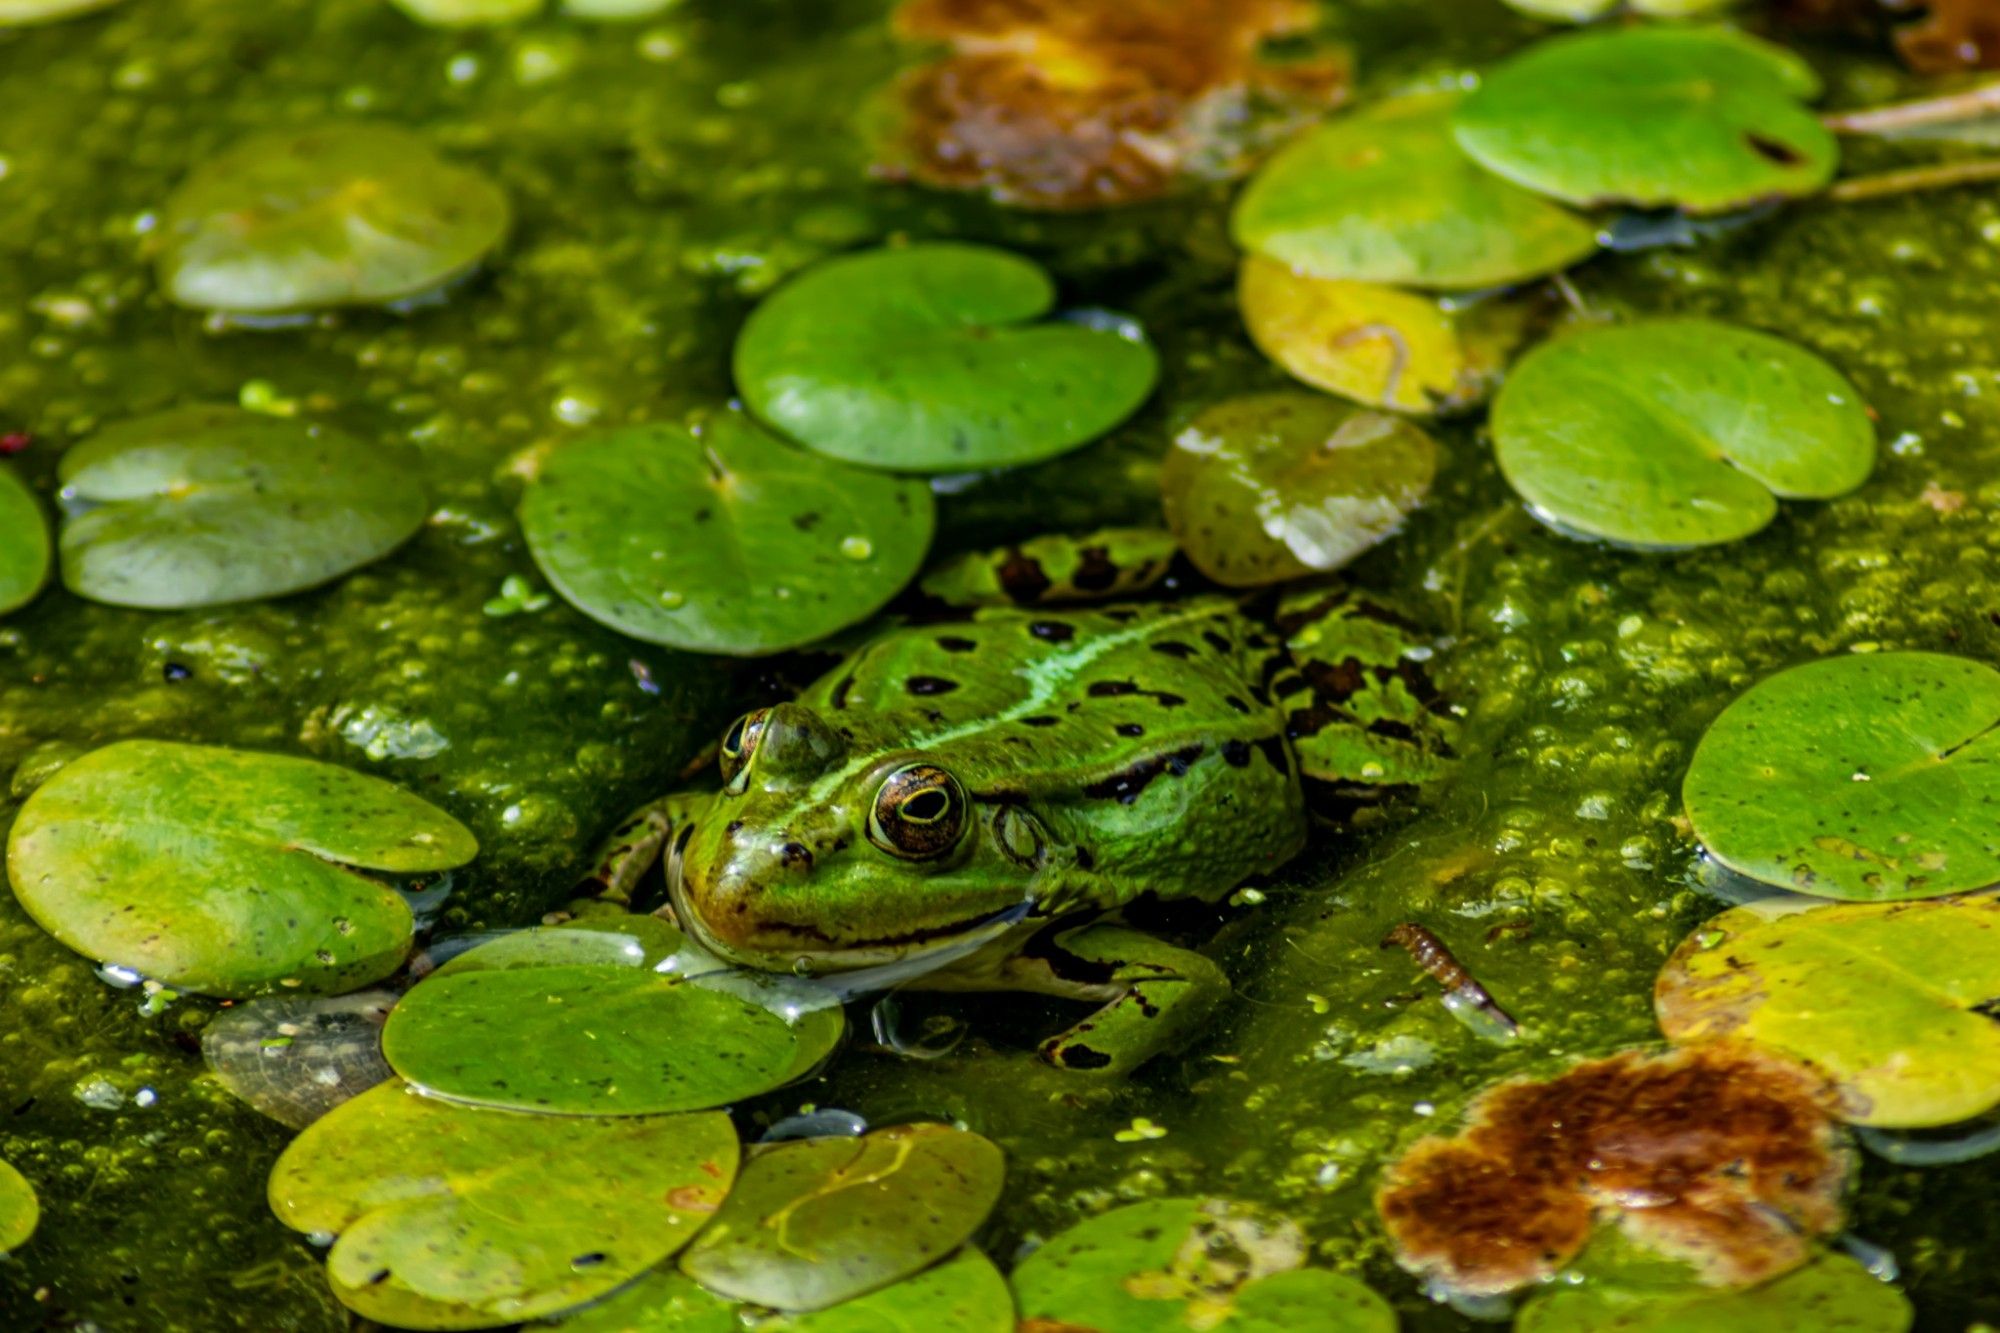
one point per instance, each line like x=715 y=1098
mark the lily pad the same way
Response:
x=333 y=215
x=1273 y=486
x=816 y=1222
x=1863 y=777
x=226 y=871
x=20 y=1210
x=19 y=13
x=1386 y=195
x=1705 y=119
x=1176 y=1265
x=1832 y=1294
x=24 y=543
x=454 y=1217
x=297 y=1057
x=1889 y=1000
x=964 y=1294
x=936 y=358
x=201 y=506
x=722 y=539
x=1676 y=433
x=576 y=1032
x=1379 y=346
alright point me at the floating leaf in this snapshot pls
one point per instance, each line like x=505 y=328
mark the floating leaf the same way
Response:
x=337 y=215
x=927 y=358
x=297 y=1057
x=721 y=539
x=1717 y=1156
x=1386 y=195
x=1832 y=1294
x=1092 y=103
x=820 y=1221
x=1706 y=119
x=455 y=1217
x=1863 y=777
x=1171 y=1265
x=1272 y=486
x=579 y=1033
x=1377 y=345
x=226 y=871
x=201 y=506
x=15 y=13
x=20 y=1210
x=24 y=543
x=1890 y=1000
x=1676 y=433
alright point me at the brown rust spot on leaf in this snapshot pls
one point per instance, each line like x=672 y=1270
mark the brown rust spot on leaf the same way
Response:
x=1719 y=1156
x=1063 y=104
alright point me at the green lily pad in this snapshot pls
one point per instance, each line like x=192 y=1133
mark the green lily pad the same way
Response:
x=614 y=939
x=201 y=506
x=19 y=13
x=20 y=1210
x=226 y=871
x=455 y=1217
x=1273 y=486
x=1378 y=346
x=722 y=538
x=24 y=543
x=1176 y=1265
x=1676 y=433
x=930 y=358
x=964 y=1294
x=334 y=215
x=296 y=1057
x=1387 y=195
x=1831 y=1294
x=578 y=1032
x=1705 y=119
x=1861 y=777
x=1888 y=1000
x=821 y=1221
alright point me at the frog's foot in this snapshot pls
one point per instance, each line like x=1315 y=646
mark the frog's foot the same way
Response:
x=1046 y=571
x=1361 y=711
x=634 y=846
x=1159 y=996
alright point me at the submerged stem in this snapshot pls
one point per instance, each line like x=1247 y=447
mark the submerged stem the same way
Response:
x=1970 y=104
x=1937 y=176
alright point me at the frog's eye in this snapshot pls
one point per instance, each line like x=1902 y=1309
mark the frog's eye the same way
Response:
x=919 y=813
x=740 y=742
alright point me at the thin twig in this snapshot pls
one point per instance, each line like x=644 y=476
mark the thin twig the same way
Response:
x=1941 y=176
x=1971 y=104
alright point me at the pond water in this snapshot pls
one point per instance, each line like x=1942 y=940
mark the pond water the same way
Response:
x=664 y=175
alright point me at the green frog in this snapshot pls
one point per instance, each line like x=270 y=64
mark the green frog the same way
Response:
x=989 y=792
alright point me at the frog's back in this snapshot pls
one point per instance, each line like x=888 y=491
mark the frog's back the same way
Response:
x=1142 y=736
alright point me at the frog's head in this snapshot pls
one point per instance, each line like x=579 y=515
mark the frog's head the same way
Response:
x=844 y=848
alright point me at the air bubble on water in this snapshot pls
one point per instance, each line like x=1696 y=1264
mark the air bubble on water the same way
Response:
x=672 y=600
x=118 y=976
x=781 y=594
x=856 y=548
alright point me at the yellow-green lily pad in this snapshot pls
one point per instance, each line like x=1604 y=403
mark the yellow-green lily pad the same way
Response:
x=1273 y=486
x=1376 y=345
x=353 y=214
x=1676 y=433
x=1178 y=1265
x=820 y=1221
x=937 y=357
x=24 y=543
x=1869 y=776
x=580 y=1030
x=227 y=872
x=1831 y=1294
x=20 y=1210
x=453 y=1216
x=722 y=538
x=1705 y=119
x=1889 y=1000
x=201 y=506
x=1386 y=195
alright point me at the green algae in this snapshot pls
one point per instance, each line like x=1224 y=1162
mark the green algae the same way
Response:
x=1587 y=675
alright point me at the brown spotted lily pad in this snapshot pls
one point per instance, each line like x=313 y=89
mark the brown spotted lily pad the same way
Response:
x=1718 y=1156
x=1061 y=104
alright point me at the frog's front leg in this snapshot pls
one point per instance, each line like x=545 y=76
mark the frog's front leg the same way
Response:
x=634 y=846
x=1055 y=569
x=1158 y=996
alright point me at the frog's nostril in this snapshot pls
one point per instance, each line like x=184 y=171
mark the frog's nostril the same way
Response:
x=795 y=856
